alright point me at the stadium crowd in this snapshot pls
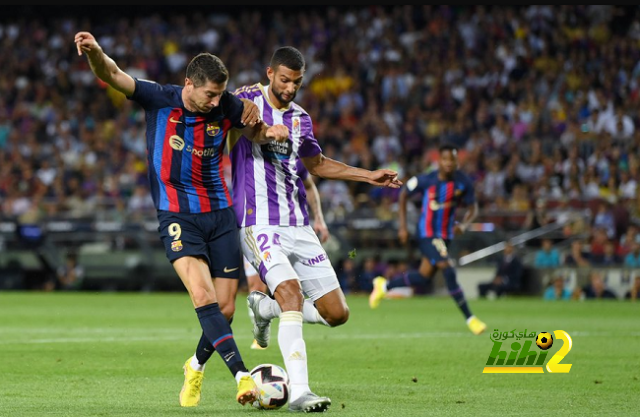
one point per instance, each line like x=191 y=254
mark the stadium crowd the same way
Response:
x=543 y=101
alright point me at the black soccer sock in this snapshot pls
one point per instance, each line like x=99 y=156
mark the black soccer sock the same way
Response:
x=218 y=331
x=456 y=291
x=205 y=349
x=408 y=279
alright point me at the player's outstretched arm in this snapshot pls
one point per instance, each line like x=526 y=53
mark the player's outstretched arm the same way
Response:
x=313 y=198
x=328 y=168
x=102 y=65
x=261 y=133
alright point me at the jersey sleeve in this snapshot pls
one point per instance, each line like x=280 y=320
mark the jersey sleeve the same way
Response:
x=236 y=107
x=151 y=95
x=310 y=146
x=416 y=184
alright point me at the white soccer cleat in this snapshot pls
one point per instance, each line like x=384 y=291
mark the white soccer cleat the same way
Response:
x=262 y=326
x=310 y=403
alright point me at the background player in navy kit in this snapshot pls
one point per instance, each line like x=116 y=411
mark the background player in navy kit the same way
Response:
x=443 y=191
x=186 y=129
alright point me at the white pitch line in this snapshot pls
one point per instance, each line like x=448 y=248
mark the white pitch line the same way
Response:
x=316 y=336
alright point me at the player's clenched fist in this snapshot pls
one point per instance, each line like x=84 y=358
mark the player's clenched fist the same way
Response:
x=279 y=133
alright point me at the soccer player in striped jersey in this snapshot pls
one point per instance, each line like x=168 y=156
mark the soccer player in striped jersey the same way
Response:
x=270 y=203
x=442 y=191
x=254 y=282
x=186 y=129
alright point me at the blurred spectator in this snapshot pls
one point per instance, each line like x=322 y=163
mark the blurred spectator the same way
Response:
x=595 y=289
x=71 y=274
x=608 y=257
x=577 y=257
x=557 y=290
x=547 y=256
x=634 y=291
x=369 y=272
x=632 y=259
x=508 y=275
x=604 y=219
x=347 y=275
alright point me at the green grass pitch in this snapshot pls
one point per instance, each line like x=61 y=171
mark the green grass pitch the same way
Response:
x=86 y=354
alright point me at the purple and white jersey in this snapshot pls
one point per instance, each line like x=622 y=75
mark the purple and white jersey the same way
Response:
x=267 y=179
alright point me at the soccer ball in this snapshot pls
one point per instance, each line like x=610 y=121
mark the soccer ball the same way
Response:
x=544 y=340
x=273 y=386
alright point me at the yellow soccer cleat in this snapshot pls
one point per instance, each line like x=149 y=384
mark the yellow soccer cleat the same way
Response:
x=379 y=291
x=247 y=390
x=256 y=346
x=190 y=394
x=476 y=326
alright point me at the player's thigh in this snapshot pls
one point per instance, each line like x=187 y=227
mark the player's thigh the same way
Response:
x=267 y=248
x=434 y=250
x=313 y=266
x=182 y=236
x=223 y=243
x=254 y=282
x=195 y=275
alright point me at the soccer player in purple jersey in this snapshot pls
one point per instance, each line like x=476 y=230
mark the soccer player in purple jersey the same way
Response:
x=442 y=191
x=254 y=282
x=276 y=237
x=186 y=129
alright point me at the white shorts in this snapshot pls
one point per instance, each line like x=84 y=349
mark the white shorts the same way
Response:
x=290 y=252
x=249 y=270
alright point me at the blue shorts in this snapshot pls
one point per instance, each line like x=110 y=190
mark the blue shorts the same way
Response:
x=434 y=249
x=213 y=236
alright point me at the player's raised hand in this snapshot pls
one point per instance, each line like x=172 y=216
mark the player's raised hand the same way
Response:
x=250 y=113
x=385 y=178
x=86 y=42
x=279 y=133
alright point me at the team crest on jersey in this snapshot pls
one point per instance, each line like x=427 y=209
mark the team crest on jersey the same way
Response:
x=266 y=256
x=213 y=129
x=295 y=125
x=176 y=246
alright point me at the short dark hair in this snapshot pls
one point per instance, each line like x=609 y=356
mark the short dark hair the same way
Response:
x=289 y=57
x=448 y=147
x=207 y=67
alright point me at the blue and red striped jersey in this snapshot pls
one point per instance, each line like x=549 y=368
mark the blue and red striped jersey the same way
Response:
x=439 y=202
x=184 y=149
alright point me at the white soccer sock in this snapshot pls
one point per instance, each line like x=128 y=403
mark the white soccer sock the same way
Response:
x=196 y=365
x=310 y=313
x=294 y=352
x=269 y=309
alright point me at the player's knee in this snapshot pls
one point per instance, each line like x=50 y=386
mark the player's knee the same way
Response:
x=339 y=317
x=201 y=296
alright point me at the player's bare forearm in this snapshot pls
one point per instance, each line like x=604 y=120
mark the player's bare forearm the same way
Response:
x=331 y=169
x=261 y=133
x=102 y=65
x=313 y=198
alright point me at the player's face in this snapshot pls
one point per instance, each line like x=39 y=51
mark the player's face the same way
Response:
x=448 y=161
x=204 y=98
x=284 y=84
